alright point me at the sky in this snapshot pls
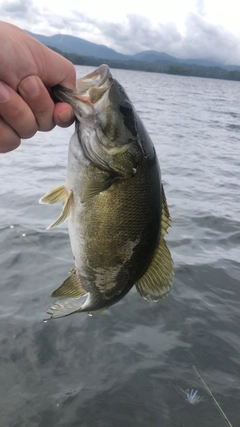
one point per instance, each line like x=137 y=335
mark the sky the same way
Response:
x=182 y=28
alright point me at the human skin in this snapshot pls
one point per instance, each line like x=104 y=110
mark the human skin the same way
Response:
x=28 y=70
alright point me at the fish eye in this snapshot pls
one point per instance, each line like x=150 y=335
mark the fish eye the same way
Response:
x=126 y=108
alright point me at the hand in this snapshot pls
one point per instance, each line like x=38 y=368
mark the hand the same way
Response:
x=28 y=71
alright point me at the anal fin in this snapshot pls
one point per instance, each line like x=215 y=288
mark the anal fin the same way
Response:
x=71 y=287
x=64 y=308
x=156 y=282
x=71 y=290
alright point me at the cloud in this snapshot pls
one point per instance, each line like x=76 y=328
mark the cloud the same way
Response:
x=199 y=39
x=202 y=39
x=20 y=12
x=196 y=38
x=138 y=34
x=200 y=5
x=22 y=9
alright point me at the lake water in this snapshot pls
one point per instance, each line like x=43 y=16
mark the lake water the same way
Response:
x=126 y=366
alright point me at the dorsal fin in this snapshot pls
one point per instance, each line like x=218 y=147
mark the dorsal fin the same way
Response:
x=166 y=218
x=156 y=282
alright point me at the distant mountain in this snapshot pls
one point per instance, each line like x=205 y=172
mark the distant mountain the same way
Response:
x=75 y=45
x=153 y=55
x=71 y=44
x=202 y=61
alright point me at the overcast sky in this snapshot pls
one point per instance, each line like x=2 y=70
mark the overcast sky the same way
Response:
x=183 y=28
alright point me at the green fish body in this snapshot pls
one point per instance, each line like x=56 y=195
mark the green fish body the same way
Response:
x=113 y=200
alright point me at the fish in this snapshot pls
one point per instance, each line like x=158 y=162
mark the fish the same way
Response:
x=113 y=200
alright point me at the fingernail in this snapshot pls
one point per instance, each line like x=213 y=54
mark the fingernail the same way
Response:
x=30 y=87
x=4 y=93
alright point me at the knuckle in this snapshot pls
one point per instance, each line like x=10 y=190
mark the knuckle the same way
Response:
x=9 y=140
x=45 y=126
x=43 y=107
x=44 y=117
x=28 y=133
x=18 y=116
x=21 y=120
x=37 y=97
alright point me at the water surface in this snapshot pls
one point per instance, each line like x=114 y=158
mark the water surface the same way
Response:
x=125 y=367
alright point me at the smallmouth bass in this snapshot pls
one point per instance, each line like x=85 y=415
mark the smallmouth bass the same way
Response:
x=113 y=200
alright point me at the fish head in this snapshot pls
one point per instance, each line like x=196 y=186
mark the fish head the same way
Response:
x=106 y=122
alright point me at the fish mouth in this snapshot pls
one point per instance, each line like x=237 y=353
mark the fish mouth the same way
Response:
x=89 y=89
x=99 y=78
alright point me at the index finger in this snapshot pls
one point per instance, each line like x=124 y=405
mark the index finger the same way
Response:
x=55 y=69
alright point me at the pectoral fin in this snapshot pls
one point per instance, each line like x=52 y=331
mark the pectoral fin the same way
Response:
x=91 y=188
x=54 y=195
x=71 y=287
x=156 y=283
x=65 y=212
